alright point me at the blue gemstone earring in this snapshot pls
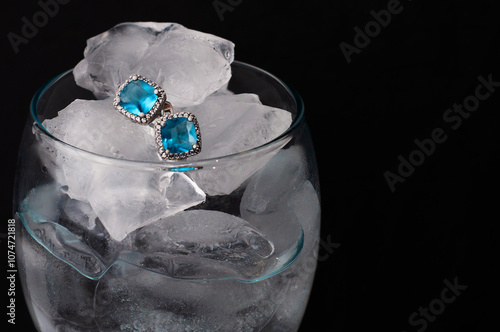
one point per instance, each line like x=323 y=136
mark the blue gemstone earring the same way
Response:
x=140 y=99
x=143 y=101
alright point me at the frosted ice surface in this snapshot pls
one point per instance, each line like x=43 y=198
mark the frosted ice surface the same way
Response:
x=96 y=126
x=194 y=69
x=123 y=199
x=126 y=200
x=188 y=64
x=230 y=123
x=235 y=123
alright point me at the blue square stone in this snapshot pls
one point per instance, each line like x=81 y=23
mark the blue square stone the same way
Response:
x=138 y=97
x=179 y=135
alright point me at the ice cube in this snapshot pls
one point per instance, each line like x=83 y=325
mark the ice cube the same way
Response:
x=188 y=64
x=235 y=123
x=231 y=124
x=125 y=200
x=56 y=238
x=66 y=166
x=130 y=298
x=298 y=206
x=93 y=126
x=80 y=213
x=96 y=126
x=271 y=186
x=203 y=244
x=306 y=206
x=280 y=194
x=59 y=294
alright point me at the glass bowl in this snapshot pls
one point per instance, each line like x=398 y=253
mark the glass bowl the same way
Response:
x=223 y=244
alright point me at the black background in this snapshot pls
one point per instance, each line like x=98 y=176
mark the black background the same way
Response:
x=395 y=248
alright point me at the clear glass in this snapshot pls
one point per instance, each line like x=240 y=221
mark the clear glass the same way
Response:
x=241 y=260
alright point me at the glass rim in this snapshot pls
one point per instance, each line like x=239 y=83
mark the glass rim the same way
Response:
x=174 y=164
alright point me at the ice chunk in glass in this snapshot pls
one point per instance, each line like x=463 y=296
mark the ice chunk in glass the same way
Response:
x=188 y=64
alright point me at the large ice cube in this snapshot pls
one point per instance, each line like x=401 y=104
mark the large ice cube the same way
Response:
x=93 y=126
x=96 y=126
x=188 y=64
x=236 y=123
x=203 y=244
x=125 y=200
x=66 y=165
x=231 y=124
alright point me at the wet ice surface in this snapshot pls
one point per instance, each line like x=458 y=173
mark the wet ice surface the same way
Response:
x=131 y=298
x=188 y=64
x=62 y=236
x=209 y=233
x=203 y=244
x=231 y=124
x=63 y=300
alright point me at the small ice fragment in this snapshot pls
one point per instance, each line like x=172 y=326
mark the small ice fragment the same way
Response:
x=57 y=239
x=189 y=65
